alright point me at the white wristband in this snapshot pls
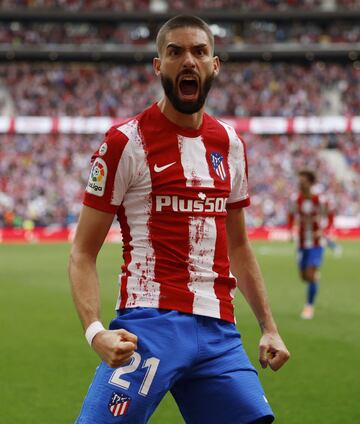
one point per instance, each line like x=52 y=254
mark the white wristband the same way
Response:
x=92 y=331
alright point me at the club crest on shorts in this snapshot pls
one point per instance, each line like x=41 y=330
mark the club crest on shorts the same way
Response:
x=119 y=404
x=217 y=160
x=97 y=178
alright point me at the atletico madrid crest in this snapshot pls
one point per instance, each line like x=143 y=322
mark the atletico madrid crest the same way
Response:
x=119 y=404
x=217 y=160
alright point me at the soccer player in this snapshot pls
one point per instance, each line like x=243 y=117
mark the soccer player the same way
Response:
x=309 y=211
x=176 y=179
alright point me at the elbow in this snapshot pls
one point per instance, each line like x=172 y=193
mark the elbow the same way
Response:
x=79 y=260
x=240 y=241
x=71 y=261
x=73 y=256
x=72 y=264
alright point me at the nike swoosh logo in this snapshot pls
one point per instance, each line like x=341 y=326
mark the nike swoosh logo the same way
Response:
x=162 y=168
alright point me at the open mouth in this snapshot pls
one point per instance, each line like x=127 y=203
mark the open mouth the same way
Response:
x=188 y=87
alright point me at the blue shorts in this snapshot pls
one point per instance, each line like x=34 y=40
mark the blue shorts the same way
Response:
x=310 y=258
x=200 y=360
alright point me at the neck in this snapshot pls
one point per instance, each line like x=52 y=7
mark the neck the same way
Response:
x=192 y=121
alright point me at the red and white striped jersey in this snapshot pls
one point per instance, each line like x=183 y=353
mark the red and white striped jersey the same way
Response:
x=311 y=216
x=170 y=188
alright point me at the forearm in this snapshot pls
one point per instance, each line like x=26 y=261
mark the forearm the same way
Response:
x=85 y=287
x=245 y=268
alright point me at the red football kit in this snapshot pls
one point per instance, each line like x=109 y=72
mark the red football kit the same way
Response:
x=310 y=215
x=170 y=188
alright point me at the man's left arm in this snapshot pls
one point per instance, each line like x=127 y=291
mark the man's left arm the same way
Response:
x=244 y=266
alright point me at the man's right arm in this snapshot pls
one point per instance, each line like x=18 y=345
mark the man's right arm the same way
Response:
x=114 y=347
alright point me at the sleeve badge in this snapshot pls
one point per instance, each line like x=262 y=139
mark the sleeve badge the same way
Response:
x=97 y=178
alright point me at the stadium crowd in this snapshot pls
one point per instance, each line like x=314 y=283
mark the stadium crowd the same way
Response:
x=76 y=5
x=274 y=162
x=350 y=147
x=242 y=89
x=42 y=177
x=135 y=5
x=249 y=32
x=23 y=34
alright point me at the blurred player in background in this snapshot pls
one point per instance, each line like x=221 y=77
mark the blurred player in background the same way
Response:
x=311 y=215
x=177 y=180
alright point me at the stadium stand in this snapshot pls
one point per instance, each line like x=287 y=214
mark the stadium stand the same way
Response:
x=242 y=89
x=75 y=5
x=53 y=170
x=127 y=5
x=253 y=32
x=305 y=74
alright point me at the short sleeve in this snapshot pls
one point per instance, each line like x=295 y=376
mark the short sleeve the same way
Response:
x=239 y=196
x=109 y=174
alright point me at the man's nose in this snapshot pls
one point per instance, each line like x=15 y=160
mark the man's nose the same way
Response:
x=189 y=60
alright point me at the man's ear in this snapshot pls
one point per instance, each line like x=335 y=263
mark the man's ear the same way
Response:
x=216 y=65
x=156 y=65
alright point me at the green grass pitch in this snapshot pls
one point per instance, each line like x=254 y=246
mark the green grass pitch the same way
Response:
x=46 y=365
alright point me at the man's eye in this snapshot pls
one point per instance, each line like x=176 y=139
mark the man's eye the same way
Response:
x=174 y=52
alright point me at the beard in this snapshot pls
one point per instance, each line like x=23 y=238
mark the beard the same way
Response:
x=181 y=106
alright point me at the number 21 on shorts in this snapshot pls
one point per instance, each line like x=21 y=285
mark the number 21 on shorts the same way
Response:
x=151 y=365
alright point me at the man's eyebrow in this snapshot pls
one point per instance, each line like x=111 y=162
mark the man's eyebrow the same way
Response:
x=200 y=46
x=173 y=45
x=176 y=46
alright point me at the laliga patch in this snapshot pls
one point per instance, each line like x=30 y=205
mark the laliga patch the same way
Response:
x=97 y=179
x=103 y=149
x=119 y=404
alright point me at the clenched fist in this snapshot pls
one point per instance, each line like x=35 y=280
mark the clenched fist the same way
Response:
x=115 y=347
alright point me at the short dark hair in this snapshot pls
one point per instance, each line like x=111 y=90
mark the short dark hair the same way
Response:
x=309 y=175
x=183 y=21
